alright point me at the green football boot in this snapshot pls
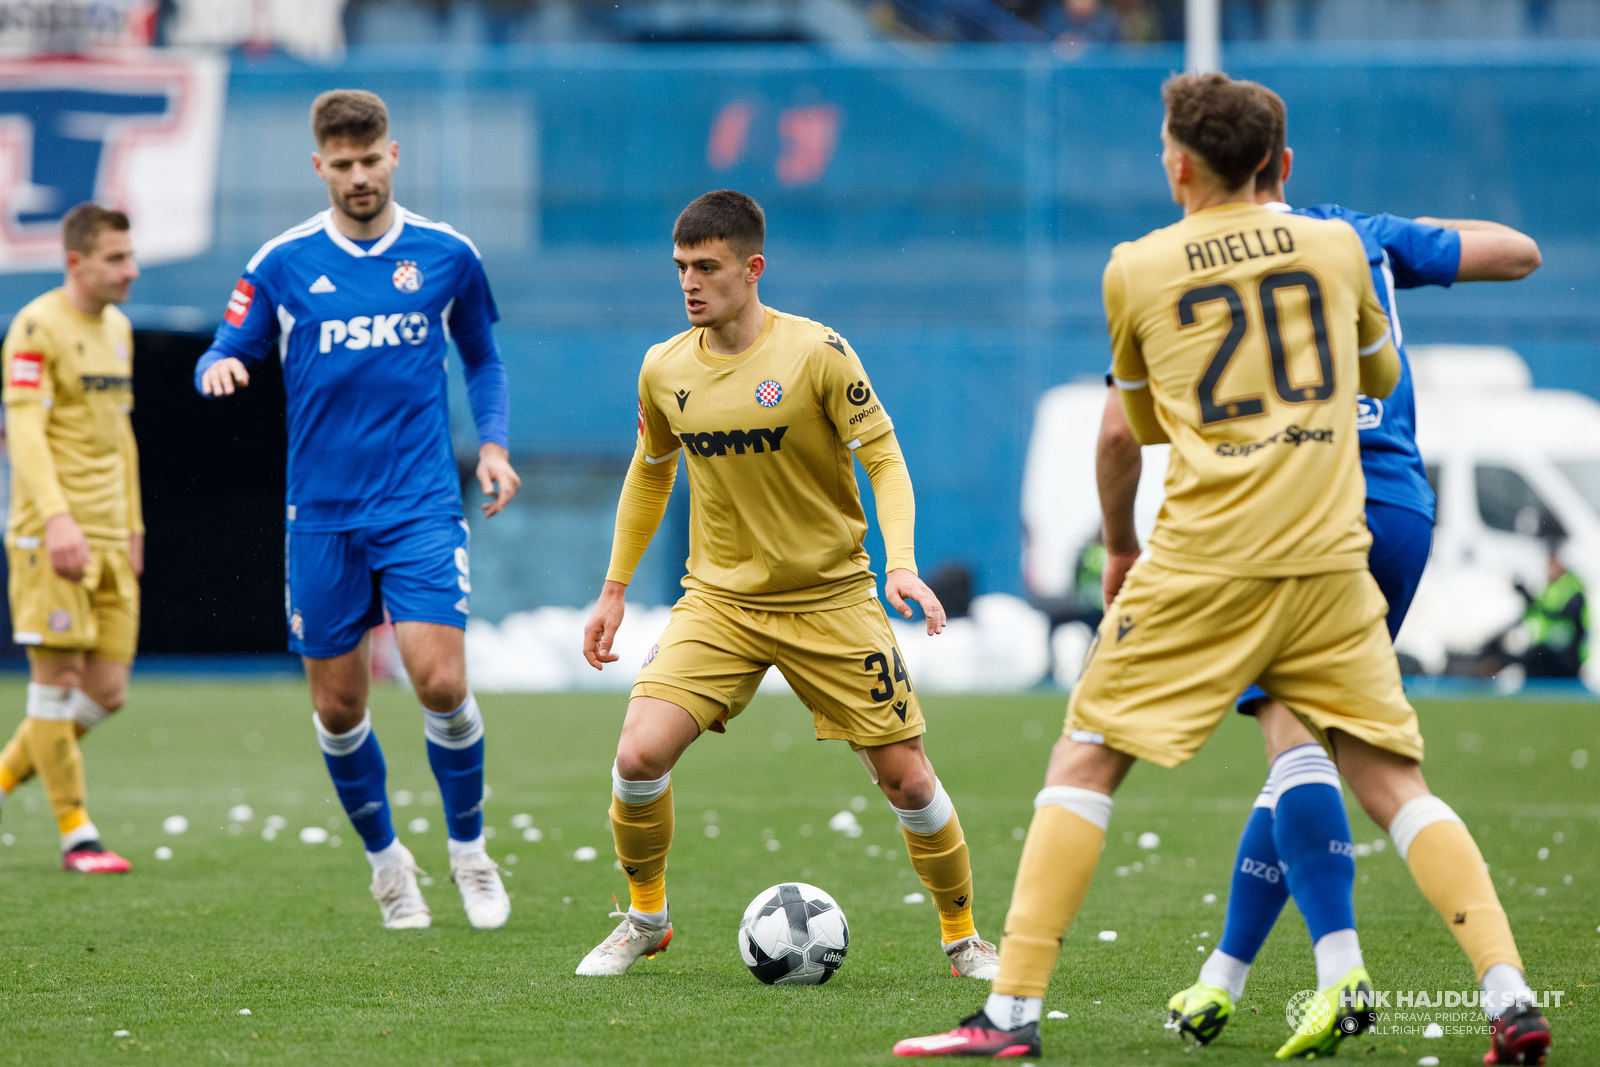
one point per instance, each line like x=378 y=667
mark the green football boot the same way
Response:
x=1201 y=1011
x=1324 y=1019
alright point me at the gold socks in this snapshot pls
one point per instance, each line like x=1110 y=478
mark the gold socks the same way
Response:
x=1448 y=868
x=1058 y=860
x=643 y=834
x=942 y=862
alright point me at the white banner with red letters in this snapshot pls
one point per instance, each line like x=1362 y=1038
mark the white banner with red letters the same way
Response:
x=134 y=131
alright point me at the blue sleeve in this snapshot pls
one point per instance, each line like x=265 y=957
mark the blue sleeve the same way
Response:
x=472 y=318
x=1419 y=254
x=249 y=326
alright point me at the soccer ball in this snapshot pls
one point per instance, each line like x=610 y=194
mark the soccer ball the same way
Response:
x=793 y=934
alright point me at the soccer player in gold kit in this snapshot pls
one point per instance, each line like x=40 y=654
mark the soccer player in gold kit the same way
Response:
x=75 y=541
x=1242 y=337
x=771 y=411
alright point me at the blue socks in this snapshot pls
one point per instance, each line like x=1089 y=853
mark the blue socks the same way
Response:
x=1312 y=833
x=356 y=765
x=1259 y=889
x=455 y=752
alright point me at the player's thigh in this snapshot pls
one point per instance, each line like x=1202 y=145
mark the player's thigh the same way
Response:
x=331 y=596
x=47 y=610
x=709 y=660
x=116 y=610
x=1169 y=659
x=423 y=572
x=845 y=667
x=1336 y=669
x=1401 y=542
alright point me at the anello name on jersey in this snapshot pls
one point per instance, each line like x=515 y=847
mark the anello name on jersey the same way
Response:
x=374 y=331
x=718 y=443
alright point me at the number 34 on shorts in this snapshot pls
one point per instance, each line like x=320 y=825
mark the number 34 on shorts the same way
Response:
x=842 y=663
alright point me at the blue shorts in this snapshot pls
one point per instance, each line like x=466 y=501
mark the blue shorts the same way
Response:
x=336 y=585
x=1401 y=541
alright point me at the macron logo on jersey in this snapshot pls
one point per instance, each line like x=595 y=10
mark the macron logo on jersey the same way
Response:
x=239 y=303
x=374 y=331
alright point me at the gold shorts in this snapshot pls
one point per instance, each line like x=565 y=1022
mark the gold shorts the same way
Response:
x=99 y=614
x=1177 y=648
x=843 y=664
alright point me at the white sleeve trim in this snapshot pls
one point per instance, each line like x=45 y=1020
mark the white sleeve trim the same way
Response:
x=662 y=459
x=853 y=445
x=1375 y=347
x=1133 y=383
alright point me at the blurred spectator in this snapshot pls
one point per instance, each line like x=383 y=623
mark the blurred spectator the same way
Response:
x=1087 y=593
x=1557 y=624
x=1081 y=22
x=1141 y=22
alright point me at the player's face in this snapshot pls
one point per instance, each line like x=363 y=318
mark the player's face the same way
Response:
x=108 y=272
x=716 y=283
x=360 y=177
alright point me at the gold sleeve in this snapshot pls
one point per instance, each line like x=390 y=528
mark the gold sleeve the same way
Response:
x=130 y=452
x=897 y=506
x=645 y=492
x=31 y=458
x=1140 y=407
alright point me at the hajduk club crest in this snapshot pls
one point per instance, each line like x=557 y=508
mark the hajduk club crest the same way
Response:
x=407 y=278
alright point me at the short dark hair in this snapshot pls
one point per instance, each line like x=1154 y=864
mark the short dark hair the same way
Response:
x=725 y=214
x=1272 y=174
x=1227 y=122
x=350 y=115
x=81 y=227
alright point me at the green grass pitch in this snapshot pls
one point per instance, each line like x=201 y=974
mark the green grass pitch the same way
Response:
x=173 y=951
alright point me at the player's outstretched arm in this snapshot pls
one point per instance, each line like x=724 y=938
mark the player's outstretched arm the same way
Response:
x=601 y=629
x=497 y=477
x=223 y=377
x=1491 y=252
x=1117 y=466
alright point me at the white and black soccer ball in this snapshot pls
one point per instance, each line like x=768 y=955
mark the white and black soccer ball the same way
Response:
x=414 y=328
x=793 y=934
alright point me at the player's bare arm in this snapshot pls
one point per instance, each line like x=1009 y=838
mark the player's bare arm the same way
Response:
x=223 y=377
x=496 y=476
x=1117 y=466
x=601 y=629
x=1490 y=251
x=68 y=547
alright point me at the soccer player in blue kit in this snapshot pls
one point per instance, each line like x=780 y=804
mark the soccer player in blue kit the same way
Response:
x=1303 y=783
x=359 y=303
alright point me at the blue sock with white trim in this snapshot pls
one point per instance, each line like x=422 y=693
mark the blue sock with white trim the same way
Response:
x=455 y=752
x=1312 y=833
x=355 y=762
x=1258 y=891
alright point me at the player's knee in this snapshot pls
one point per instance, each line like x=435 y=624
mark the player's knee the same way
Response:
x=109 y=695
x=440 y=688
x=639 y=762
x=908 y=784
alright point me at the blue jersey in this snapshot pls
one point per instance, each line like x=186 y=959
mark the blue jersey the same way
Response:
x=362 y=330
x=1404 y=255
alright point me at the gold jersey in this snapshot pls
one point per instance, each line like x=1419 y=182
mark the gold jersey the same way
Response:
x=71 y=376
x=775 y=515
x=1249 y=328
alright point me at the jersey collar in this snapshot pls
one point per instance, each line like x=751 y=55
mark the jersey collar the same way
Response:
x=1279 y=206
x=356 y=250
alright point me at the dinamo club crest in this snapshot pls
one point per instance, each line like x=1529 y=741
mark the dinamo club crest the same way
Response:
x=407 y=278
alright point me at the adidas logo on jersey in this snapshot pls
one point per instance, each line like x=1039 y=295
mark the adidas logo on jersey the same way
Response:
x=323 y=285
x=374 y=331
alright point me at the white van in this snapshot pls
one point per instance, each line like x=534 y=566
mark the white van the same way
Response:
x=1511 y=465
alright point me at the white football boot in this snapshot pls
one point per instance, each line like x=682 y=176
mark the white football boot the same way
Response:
x=973 y=957
x=627 y=943
x=394 y=887
x=482 y=893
